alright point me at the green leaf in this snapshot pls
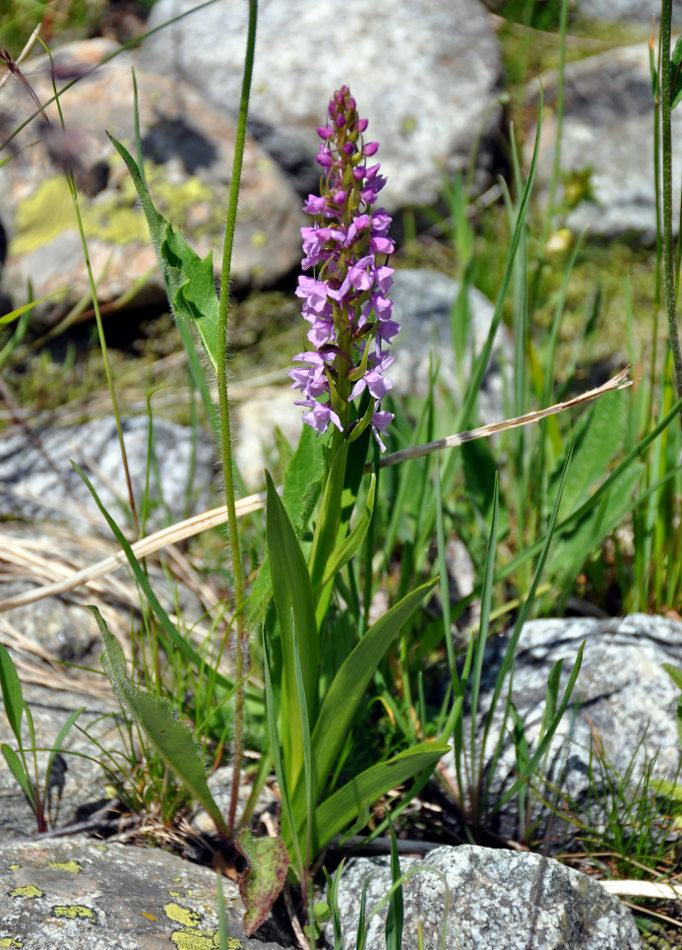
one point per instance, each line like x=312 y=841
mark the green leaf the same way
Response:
x=674 y=672
x=13 y=314
x=599 y=435
x=340 y=809
x=296 y=615
x=394 y=917
x=12 y=696
x=189 y=280
x=345 y=551
x=302 y=488
x=170 y=737
x=260 y=885
x=348 y=686
x=17 y=770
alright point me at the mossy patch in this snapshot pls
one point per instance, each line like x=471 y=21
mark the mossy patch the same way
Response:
x=113 y=216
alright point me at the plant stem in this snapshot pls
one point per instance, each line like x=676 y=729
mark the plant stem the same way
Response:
x=225 y=435
x=667 y=183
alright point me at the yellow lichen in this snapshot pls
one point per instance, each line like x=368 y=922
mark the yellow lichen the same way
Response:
x=188 y=918
x=28 y=890
x=72 y=866
x=73 y=912
x=193 y=940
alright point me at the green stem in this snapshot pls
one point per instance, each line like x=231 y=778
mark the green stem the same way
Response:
x=224 y=408
x=667 y=188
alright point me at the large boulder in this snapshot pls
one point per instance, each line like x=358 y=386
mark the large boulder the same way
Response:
x=188 y=148
x=86 y=895
x=426 y=75
x=607 y=143
x=487 y=900
x=622 y=721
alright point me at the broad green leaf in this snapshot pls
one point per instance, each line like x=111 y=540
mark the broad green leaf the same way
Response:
x=12 y=696
x=296 y=615
x=17 y=769
x=572 y=550
x=674 y=672
x=189 y=280
x=260 y=885
x=340 y=809
x=170 y=737
x=348 y=687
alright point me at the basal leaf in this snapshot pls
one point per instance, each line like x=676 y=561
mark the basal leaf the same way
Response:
x=348 y=686
x=263 y=880
x=170 y=737
x=296 y=615
x=340 y=809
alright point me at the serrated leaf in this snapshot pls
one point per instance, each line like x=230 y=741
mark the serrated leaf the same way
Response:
x=170 y=737
x=260 y=885
x=190 y=285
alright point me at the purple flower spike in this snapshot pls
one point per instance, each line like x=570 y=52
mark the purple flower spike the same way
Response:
x=346 y=302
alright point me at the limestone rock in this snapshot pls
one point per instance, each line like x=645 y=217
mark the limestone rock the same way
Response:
x=496 y=899
x=608 y=133
x=188 y=148
x=86 y=895
x=426 y=76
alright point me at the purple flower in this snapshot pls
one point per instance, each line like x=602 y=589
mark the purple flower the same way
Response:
x=346 y=302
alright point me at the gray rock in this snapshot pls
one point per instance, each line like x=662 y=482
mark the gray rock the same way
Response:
x=38 y=482
x=496 y=899
x=422 y=304
x=608 y=128
x=86 y=895
x=79 y=778
x=624 y=699
x=426 y=76
x=188 y=148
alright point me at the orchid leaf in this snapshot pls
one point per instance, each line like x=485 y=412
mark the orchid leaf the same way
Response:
x=296 y=615
x=332 y=816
